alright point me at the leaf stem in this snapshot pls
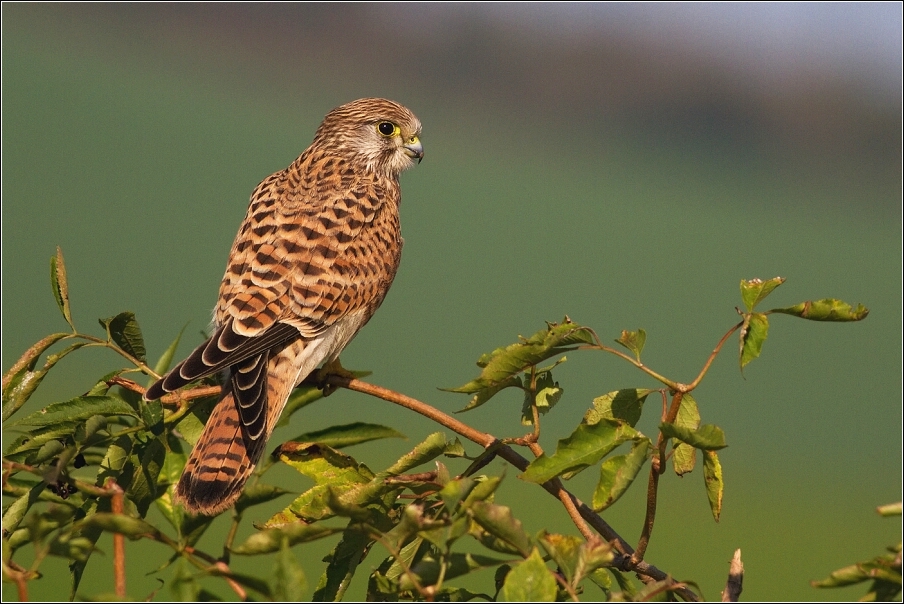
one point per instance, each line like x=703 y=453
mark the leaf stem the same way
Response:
x=511 y=456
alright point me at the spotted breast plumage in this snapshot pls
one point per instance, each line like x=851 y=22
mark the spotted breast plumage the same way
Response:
x=312 y=261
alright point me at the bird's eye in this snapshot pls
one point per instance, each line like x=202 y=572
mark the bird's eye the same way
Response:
x=387 y=129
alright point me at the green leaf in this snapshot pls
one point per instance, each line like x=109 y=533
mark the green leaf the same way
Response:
x=22 y=380
x=139 y=478
x=498 y=521
x=575 y=557
x=288 y=583
x=755 y=291
x=332 y=471
x=633 y=341
x=828 y=309
x=348 y=434
x=707 y=437
x=485 y=394
x=548 y=394
x=503 y=364
x=184 y=587
x=483 y=490
x=16 y=511
x=625 y=405
x=163 y=363
x=585 y=447
x=270 y=540
x=530 y=581
x=428 y=569
x=684 y=456
x=342 y=561
x=256 y=494
x=119 y=523
x=124 y=330
x=454 y=491
x=77 y=409
x=753 y=335
x=60 y=285
x=712 y=476
x=617 y=473
x=432 y=447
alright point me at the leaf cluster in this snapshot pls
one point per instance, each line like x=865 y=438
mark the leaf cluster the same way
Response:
x=100 y=461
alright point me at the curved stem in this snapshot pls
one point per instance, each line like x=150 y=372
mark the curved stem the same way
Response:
x=510 y=455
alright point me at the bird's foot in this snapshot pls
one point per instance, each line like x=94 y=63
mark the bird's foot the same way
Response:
x=329 y=369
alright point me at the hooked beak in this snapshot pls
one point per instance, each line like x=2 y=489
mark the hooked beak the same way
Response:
x=414 y=149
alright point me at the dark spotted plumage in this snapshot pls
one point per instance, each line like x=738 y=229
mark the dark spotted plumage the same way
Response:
x=312 y=261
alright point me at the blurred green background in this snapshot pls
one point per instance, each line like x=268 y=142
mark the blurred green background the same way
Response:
x=624 y=164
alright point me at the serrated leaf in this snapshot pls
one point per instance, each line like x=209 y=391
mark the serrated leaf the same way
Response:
x=503 y=364
x=163 y=363
x=633 y=341
x=625 y=405
x=123 y=329
x=22 y=380
x=755 y=291
x=617 y=473
x=499 y=522
x=77 y=409
x=707 y=437
x=585 y=447
x=60 y=285
x=712 y=476
x=684 y=456
x=348 y=434
x=485 y=394
x=753 y=334
x=530 y=581
x=288 y=583
x=827 y=309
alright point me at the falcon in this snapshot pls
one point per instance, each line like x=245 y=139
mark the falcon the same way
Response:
x=312 y=262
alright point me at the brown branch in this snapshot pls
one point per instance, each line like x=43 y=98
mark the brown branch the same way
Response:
x=735 y=583
x=712 y=357
x=623 y=562
x=119 y=543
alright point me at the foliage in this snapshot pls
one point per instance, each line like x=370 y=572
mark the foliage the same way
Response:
x=99 y=461
x=884 y=570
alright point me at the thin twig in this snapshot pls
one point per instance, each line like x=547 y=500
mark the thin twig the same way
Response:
x=712 y=357
x=119 y=542
x=485 y=440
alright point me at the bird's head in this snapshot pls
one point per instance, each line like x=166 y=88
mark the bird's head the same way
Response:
x=377 y=135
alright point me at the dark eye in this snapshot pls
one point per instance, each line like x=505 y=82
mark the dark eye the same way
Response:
x=387 y=128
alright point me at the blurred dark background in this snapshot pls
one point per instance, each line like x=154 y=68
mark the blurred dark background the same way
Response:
x=625 y=164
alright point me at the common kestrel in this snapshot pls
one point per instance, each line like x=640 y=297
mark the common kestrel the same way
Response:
x=312 y=261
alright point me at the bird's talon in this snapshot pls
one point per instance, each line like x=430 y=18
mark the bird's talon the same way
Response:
x=329 y=369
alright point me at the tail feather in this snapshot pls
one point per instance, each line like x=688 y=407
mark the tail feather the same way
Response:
x=229 y=448
x=220 y=464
